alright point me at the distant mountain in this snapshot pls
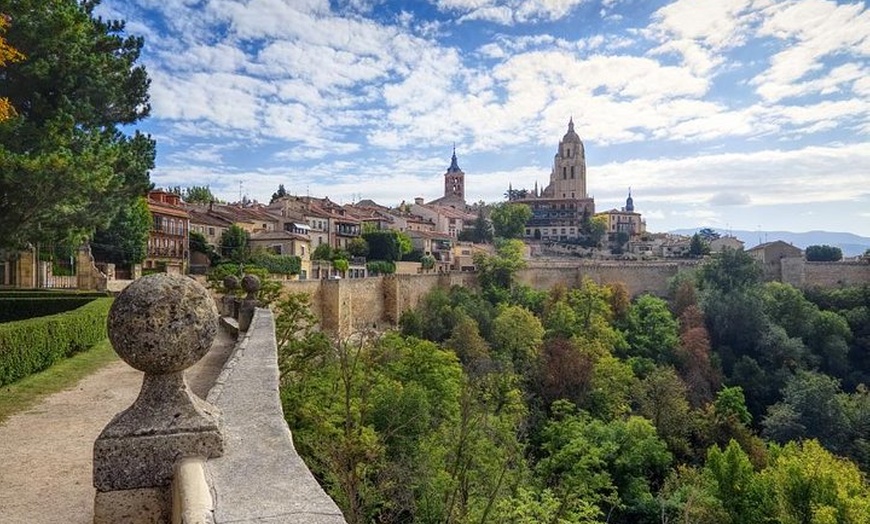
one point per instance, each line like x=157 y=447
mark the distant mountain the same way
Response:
x=851 y=244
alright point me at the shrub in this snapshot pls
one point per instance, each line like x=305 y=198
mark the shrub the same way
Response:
x=278 y=264
x=29 y=346
x=381 y=267
x=824 y=253
x=21 y=308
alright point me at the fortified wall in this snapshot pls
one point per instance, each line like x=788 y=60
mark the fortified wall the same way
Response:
x=348 y=305
x=802 y=274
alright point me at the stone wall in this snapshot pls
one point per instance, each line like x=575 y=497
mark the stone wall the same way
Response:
x=638 y=277
x=348 y=305
x=800 y=273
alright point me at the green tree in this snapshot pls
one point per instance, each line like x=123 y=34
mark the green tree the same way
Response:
x=823 y=253
x=125 y=241
x=596 y=231
x=427 y=262
x=652 y=332
x=281 y=193
x=358 y=247
x=198 y=195
x=812 y=486
x=383 y=245
x=234 y=244
x=661 y=397
x=730 y=270
x=322 y=252
x=199 y=244
x=482 y=231
x=813 y=406
x=518 y=337
x=736 y=485
x=496 y=273
x=66 y=164
x=509 y=220
x=698 y=246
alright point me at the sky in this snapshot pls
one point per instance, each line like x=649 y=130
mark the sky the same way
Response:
x=736 y=114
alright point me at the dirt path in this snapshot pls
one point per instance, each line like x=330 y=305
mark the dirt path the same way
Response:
x=46 y=452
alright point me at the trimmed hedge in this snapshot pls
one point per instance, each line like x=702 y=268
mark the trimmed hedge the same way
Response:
x=21 y=308
x=29 y=346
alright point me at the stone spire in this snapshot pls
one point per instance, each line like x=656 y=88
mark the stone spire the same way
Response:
x=454 y=164
x=629 y=202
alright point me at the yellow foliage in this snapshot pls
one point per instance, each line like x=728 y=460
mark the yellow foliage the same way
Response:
x=8 y=55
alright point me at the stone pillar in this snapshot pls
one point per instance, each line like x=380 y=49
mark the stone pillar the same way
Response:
x=160 y=324
x=251 y=284
x=228 y=302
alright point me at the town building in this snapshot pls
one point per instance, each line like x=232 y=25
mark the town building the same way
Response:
x=624 y=220
x=730 y=242
x=168 y=238
x=770 y=256
x=288 y=243
x=328 y=222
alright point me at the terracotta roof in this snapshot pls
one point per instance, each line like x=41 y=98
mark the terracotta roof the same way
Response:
x=204 y=218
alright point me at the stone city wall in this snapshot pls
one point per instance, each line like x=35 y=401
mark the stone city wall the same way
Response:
x=348 y=305
x=638 y=277
x=800 y=273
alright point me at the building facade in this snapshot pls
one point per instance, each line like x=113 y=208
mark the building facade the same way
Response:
x=168 y=238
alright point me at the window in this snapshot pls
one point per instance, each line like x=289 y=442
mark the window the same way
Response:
x=572 y=171
x=277 y=249
x=564 y=173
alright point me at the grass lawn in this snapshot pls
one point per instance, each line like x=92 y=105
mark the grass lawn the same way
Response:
x=21 y=395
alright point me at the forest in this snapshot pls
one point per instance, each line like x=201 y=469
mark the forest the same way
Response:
x=730 y=401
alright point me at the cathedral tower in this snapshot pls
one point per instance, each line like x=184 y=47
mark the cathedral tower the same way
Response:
x=568 y=178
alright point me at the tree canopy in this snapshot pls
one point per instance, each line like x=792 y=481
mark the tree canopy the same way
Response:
x=8 y=54
x=66 y=164
x=509 y=220
x=823 y=253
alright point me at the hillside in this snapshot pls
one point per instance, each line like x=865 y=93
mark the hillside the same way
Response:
x=851 y=244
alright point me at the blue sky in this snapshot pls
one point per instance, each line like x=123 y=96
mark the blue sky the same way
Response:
x=742 y=114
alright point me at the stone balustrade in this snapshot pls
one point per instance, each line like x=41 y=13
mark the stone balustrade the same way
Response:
x=175 y=457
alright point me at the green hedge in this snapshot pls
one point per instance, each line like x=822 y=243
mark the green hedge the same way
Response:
x=29 y=346
x=22 y=308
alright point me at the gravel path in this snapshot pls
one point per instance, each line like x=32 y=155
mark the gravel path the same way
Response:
x=46 y=453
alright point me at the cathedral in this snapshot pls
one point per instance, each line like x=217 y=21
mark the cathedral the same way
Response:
x=558 y=211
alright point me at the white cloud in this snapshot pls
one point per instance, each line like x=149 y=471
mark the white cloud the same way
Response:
x=811 y=31
x=509 y=12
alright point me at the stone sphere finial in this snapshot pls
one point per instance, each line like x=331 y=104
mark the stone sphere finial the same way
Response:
x=251 y=284
x=231 y=282
x=163 y=323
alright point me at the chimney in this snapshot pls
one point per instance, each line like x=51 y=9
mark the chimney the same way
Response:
x=418 y=201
